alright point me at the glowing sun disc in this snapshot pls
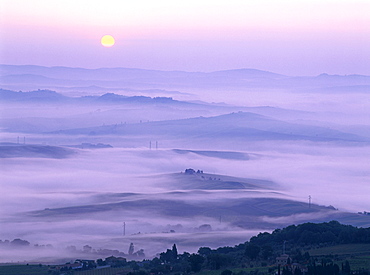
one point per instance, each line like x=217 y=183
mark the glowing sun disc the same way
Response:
x=107 y=41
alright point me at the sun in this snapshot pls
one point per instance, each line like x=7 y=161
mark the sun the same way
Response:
x=107 y=41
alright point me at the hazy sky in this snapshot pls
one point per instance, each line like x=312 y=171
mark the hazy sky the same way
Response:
x=295 y=37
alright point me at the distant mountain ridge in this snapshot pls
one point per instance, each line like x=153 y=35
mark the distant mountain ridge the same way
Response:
x=48 y=95
x=240 y=126
x=40 y=77
x=249 y=124
x=42 y=95
x=118 y=72
x=48 y=77
x=122 y=72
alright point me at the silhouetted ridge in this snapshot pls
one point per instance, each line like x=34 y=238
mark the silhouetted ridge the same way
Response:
x=39 y=95
x=12 y=150
x=48 y=95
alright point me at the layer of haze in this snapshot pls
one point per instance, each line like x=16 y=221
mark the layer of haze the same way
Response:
x=292 y=137
x=289 y=37
x=299 y=136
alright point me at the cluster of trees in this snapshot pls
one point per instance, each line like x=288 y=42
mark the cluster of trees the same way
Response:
x=170 y=262
x=314 y=234
x=263 y=249
x=15 y=242
x=191 y=171
x=260 y=251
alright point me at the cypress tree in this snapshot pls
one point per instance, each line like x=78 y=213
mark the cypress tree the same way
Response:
x=174 y=251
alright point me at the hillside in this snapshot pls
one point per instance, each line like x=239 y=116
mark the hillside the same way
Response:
x=14 y=150
x=306 y=248
x=234 y=126
x=245 y=203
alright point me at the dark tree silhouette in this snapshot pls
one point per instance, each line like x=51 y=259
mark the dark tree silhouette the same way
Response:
x=252 y=251
x=196 y=262
x=174 y=251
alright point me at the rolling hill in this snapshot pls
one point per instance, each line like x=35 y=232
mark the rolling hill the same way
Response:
x=245 y=203
x=14 y=150
x=234 y=126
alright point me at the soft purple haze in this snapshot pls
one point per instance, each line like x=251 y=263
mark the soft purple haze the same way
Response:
x=288 y=37
x=305 y=136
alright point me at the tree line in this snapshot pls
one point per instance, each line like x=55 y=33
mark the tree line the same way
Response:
x=260 y=251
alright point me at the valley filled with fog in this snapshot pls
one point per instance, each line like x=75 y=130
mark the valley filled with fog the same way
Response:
x=98 y=159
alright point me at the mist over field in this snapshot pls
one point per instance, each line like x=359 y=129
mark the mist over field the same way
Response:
x=84 y=151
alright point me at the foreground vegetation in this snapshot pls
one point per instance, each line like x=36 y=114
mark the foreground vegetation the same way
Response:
x=325 y=248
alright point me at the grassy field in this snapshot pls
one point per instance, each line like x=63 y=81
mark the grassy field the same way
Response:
x=23 y=270
x=345 y=249
x=358 y=255
x=105 y=271
x=43 y=270
x=360 y=262
x=261 y=270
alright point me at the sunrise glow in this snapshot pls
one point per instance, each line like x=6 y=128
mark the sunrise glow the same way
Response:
x=107 y=41
x=327 y=36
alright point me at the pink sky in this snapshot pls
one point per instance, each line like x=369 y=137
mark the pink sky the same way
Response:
x=291 y=37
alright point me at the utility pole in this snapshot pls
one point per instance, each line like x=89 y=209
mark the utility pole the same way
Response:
x=124 y=229
x=309 y=201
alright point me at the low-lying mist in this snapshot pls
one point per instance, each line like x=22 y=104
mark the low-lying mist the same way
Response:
x=87 y=171
x=85 y=199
